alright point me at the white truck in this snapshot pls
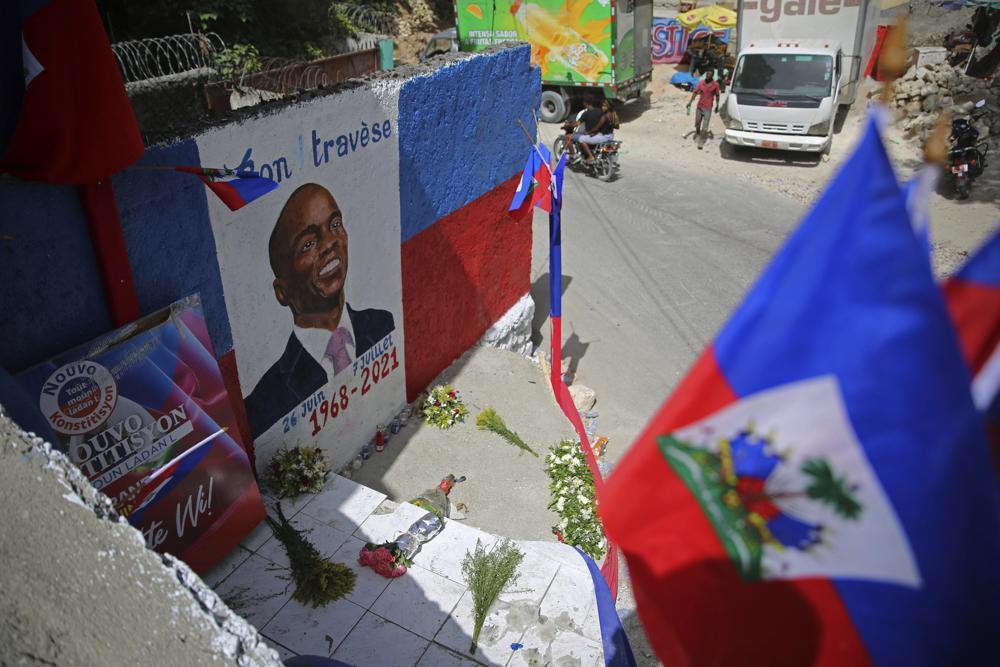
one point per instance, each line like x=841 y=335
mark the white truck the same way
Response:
x=797 y=62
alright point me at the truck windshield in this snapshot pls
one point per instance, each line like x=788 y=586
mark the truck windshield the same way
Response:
x=782 y=76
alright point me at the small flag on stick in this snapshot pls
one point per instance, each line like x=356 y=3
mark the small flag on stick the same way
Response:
x=235 y=189
x=536 y=180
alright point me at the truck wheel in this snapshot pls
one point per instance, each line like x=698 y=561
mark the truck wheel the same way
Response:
x=553 y=109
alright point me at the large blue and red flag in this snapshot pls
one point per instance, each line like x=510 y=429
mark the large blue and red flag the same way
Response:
x=65 y=116
x=818 y=491
x=973 y=297
x=236 y=189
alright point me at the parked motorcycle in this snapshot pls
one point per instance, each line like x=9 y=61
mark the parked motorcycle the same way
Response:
x=966 y=154
x=605 y=164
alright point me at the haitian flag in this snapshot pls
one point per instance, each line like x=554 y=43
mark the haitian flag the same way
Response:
x=973 y=297
x=534 y=189
x=818 y=491
x=235 y=189
x=66 y=117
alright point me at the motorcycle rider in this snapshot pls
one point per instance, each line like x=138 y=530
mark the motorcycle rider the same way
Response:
x=597 y=131
x=587 y=124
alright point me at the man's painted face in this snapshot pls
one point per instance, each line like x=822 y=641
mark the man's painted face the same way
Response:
x=314 y=248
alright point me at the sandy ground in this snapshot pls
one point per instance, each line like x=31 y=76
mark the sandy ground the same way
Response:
x=657 y=128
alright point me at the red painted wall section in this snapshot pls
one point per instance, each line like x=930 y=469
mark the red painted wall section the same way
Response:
x=231 y=378
x=461 y=275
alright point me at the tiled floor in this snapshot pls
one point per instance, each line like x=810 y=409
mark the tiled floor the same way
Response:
x=423 y=618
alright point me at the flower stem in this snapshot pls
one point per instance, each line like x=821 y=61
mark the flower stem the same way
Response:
x=475 y=638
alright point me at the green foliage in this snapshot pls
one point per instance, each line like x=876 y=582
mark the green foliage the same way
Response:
x=574 y=499
x=487 y=574
x=318 y=581
x=489 y=420
x=292 y=29
x=830 y=489
x=238 y=59
x=297 y=470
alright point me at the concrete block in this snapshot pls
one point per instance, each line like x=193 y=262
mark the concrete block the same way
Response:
x=926 y=55
x=584 y=397
x=513 y=330
x=79 y=585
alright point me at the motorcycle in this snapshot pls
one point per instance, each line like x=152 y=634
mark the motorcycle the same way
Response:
x=605 y=164
x=966 y=154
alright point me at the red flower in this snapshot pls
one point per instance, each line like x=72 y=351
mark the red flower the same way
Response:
x=318 y=451
x=453 y=394
x=437 y=404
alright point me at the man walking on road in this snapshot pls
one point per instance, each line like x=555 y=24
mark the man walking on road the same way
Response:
x=706 y=91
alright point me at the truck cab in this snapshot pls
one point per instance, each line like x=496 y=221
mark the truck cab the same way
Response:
x=785 y=95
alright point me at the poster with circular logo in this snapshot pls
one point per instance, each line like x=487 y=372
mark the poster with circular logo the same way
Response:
x=78 y=397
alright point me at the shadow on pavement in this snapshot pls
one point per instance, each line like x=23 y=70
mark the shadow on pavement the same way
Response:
x=540 y=295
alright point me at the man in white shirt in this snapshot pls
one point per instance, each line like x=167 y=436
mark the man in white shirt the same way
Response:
x=308 y=254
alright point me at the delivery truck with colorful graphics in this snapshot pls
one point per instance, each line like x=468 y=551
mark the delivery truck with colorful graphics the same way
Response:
x=598 y=46
x=797 y=62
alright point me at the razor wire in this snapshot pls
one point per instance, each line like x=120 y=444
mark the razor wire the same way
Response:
x=368 y=18
x=159 y=57
x=280 y=75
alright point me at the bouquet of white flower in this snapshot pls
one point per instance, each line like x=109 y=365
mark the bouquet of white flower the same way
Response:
x=574 y=499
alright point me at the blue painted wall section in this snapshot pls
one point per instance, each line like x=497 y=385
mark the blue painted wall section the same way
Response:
x=440 y=171
x=168 y=233
x=51 y=294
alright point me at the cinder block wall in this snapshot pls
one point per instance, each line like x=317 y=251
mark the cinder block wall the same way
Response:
x=463 y=261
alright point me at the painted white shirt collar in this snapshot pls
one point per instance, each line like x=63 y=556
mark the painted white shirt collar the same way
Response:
x=315 y=341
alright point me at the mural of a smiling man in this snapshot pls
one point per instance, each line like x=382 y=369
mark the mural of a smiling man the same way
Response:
x=308 y=254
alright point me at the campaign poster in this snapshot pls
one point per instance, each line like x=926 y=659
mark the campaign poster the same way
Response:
x=144 y=413
x=311 y=272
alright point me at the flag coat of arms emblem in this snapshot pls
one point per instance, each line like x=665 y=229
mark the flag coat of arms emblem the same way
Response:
x=817 y=490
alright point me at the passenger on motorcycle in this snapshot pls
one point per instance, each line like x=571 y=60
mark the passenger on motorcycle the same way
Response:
x=594 y=126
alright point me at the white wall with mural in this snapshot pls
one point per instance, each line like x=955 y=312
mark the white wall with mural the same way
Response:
x=311 y=272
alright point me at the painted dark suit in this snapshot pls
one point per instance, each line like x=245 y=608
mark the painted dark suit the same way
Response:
x=295 y=376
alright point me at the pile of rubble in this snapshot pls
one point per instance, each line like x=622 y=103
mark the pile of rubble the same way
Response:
x=926 y=90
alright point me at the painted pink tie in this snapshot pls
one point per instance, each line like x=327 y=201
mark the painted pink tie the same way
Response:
x=336 y=349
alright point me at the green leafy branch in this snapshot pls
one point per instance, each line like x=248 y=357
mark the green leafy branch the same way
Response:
x=489 y=420
x=487 y=574
x=830 y=489
x=318 y=581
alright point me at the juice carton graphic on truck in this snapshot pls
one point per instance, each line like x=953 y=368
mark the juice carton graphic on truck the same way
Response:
x=578 y=44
